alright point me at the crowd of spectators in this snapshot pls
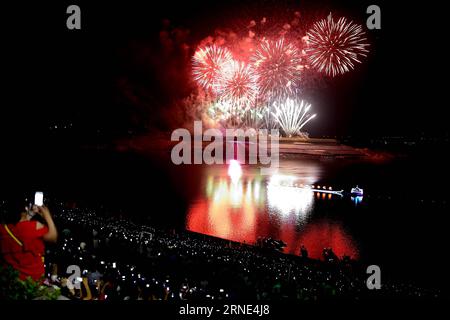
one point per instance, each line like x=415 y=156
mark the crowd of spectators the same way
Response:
x=120 y=259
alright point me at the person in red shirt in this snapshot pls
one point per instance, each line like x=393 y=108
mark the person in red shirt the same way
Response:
x=22 y=242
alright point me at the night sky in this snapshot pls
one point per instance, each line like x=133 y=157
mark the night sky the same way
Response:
x=116 y=75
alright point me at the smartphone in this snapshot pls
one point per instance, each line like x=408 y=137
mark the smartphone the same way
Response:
x=39 y=199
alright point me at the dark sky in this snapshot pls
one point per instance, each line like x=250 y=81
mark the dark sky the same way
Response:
x=115 y=74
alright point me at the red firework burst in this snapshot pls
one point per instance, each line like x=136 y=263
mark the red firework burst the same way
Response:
x=238 y=84
x=207 y=64
x=335 y=46
x=278 y=65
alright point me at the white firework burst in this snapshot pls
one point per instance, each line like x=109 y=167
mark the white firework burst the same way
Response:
x=334 y=47
x=292 y=115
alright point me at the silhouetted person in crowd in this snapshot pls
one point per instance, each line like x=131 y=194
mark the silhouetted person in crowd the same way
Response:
x=325 y=254
x=332 y=257
x=304 y=252
x=22 y=238
x=329 y=255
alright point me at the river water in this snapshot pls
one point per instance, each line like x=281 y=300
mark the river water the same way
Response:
x=401 y=223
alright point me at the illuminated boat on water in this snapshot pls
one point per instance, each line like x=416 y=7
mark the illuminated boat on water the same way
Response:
x=357 y=192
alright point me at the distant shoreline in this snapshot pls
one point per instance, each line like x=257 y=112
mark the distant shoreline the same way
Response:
x=312 y=147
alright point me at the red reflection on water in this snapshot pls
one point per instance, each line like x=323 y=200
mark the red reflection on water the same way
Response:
x=238 y=211
x=325 y=234
x=228 y=212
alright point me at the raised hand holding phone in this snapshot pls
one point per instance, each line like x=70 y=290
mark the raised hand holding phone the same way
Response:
x=39 y=199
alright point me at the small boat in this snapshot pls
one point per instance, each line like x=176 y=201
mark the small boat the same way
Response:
x=357 y=192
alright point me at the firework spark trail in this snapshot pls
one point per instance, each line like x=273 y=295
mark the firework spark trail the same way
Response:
x=278 y=65
x=335 y=46
x=292 y=116
x=238 y=85
x=207 y=64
